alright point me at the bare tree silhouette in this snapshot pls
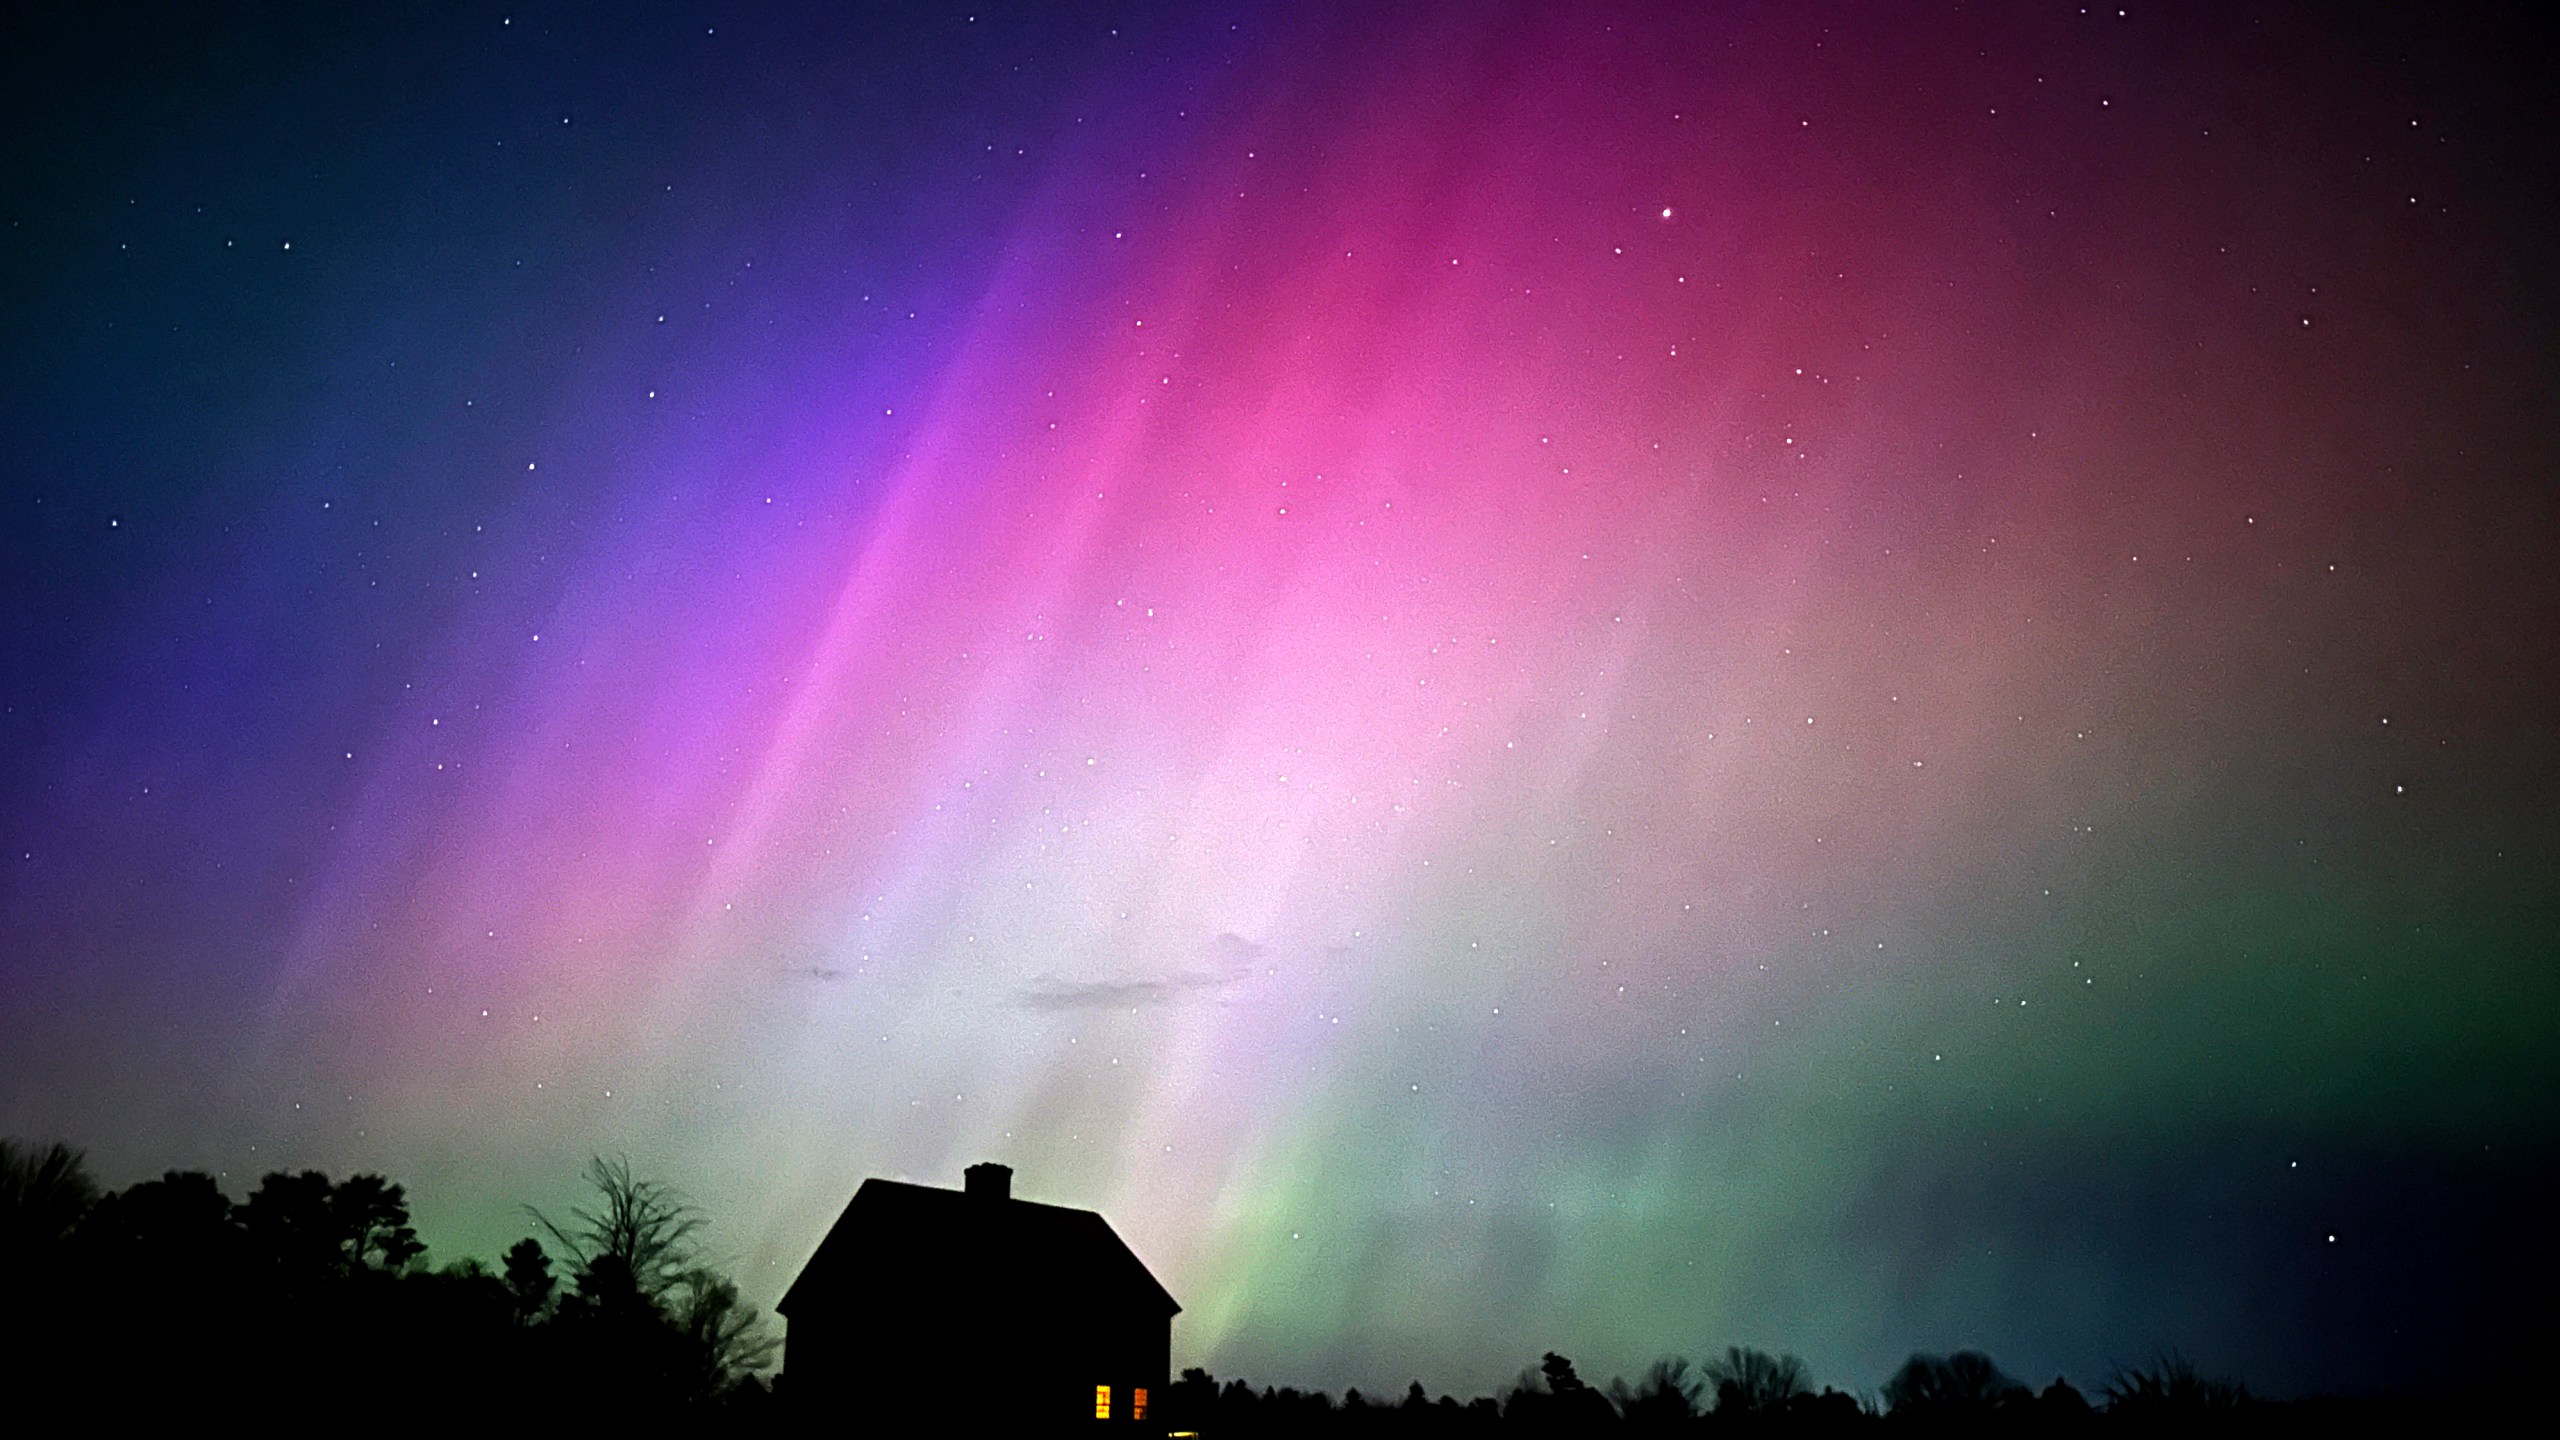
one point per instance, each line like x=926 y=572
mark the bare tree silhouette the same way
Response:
x=1667 y=1398
x=645 y=1299
x=2170 y=1387
x=1958 y=1387
x=1755 y=1382
x=309 y=1283
x=638 y=1236
x=43 y=1193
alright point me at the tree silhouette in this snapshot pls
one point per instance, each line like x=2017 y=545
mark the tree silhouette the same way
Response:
x=161 y=1300
x=2062 y=1405
x=1668 y=1397
x=313 y=1228
x=730 y=1335
x=1752 y=1383
x=175 y=1227
x=2170 y=1388
x=1962 y=1387
x=528 y=1280
x=160 y=1295
x=43 y=1194
x=635 y=1240
x=1557 y=1398
x=372 y=1219
x=46 y=1198
x=644 y=1305
x=1191 y=1400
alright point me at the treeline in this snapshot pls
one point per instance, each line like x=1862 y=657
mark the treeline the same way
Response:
x=168 y=1300
x=1743 y=1392
x=1748 y=1393
x=169 y=1297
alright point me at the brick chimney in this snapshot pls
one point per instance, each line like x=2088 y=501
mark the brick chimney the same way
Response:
x=987 y=1180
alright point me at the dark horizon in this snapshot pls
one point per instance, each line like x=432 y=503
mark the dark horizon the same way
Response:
x=1610 y=676
x=617 y=1303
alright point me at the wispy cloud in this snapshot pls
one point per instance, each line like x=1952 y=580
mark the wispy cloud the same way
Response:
x=1228 y=954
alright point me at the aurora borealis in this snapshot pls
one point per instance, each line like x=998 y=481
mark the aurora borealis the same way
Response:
x=1614 y=678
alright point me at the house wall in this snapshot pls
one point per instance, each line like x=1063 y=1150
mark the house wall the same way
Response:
x=933 y=1359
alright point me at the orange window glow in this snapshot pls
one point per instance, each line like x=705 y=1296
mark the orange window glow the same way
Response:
x=1101 y=1402
x=1138 y=1403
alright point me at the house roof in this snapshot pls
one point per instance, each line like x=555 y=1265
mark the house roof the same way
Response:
x=894 y=1234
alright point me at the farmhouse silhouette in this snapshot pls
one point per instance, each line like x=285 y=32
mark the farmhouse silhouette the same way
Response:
x=1040 y=1315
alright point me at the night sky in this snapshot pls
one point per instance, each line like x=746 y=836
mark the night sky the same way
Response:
x=1614 y=678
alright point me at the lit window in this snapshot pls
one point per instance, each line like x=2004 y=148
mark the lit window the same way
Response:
x=1138 y=1403
x=1101 y=1402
